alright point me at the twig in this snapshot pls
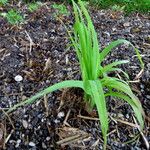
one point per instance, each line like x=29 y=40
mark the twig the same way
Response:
x=66 y=118
x=46 y=105
x=144 y=138
x=88 y=118
x=111 y=132
x=9 y=119
x=30 y=40
x=139 y=74
x=71 y=139
x=124 y=122
x=134 y=81
x=8 y=137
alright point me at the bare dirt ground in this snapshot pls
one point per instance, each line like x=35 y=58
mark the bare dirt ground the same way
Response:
x=38 y=51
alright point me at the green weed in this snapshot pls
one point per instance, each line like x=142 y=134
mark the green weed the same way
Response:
x=14 y=17
x=60 y=10
x=96 y=83
x=33 y=6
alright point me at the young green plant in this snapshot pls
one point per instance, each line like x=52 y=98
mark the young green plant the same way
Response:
x=13 y=17
x=60 y=10
x=96 y=83
x=33 y=6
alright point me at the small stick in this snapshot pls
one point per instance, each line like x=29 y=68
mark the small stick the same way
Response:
x=46 y=105
x=144 y=138
x=134 y=81
x=124 y=122
x=72 y=139
x=8 y=137
x=111 y=132
x=66 y=118
x=139 y=74
x=96 y=143
x=9 y=119
x=88 y=118
x=30 y=40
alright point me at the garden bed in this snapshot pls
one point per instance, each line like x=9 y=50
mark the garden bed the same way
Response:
x=38 y=51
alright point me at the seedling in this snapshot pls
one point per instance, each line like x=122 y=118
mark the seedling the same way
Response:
x=33 y=6
x=96 y=83
x=60 y=10
x=14 y=17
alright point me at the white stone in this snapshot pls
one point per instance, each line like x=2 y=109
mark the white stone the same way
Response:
x=31 y=144
x=18 y=78
x=25 y=124
x=61 y=114
x=56 y=121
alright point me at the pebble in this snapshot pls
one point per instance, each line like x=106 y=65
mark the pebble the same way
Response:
x=148 y=97
x=147 y=74
x=25 y=124
x=32 y=144
x=18 y=78
x=67 y=60
x=127 y=116
x=56 y=121
x=148 y=66
x=126 y=24
x=44 y=146
x=120 y=115
x=61 y=114
x=48 y=138
x=18 y=142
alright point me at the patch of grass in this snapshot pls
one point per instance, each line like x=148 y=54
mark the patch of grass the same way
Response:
x=117 y=8
x=129 y=5
x=33 y=6
x=96 y=83
x=138 y=5
x=13 y=17
x=3 y=2
x=61 y=9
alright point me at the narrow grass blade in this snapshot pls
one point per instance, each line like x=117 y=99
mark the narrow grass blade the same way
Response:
x=99 y=98
x=57 y=86
x=125 y=90
x=113 y=44
x=136 y=109
x=119 y=70
x=110 y=66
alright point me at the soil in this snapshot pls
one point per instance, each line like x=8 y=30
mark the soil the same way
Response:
x=38 y=51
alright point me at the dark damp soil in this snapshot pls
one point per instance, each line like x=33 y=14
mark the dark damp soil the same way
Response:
x=38 y=51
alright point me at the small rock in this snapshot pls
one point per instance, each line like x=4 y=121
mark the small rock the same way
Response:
x=56 y=121
x=127 y=116
x=48 y=138
x=18 y=78
x=148 y=66
x=24 y=97
x=61 y=114
x=25 y=124
x=18 y=142
x=148 y=97
x=44 y=146
x=67 y=59
x=114 y=29
x=147 y=74
x=120 y=115
x=69 y=69
x=126 y=24
x=32 y=144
